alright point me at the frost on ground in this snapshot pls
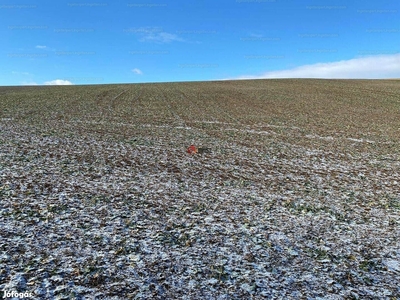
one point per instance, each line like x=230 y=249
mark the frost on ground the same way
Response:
x=90 y=213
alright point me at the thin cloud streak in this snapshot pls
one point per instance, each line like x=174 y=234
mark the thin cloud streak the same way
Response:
x=137 y=71
x=161 y=37
x=369 y=67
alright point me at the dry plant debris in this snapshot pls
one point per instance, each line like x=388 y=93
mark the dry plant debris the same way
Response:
x=298 y=199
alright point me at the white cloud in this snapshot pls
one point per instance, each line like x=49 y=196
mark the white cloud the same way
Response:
x=369 y=67
x=58 y=82
x=154 y=34
x=40 y=47
x=52 y=82
x=137 y=71
x=161 y=37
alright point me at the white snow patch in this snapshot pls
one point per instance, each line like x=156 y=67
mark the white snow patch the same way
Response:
x=361 y=140
x=250 y=131
x=327 y=138
x=393 y=265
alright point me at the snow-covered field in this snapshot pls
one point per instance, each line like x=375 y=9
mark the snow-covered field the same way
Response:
x=299 y=197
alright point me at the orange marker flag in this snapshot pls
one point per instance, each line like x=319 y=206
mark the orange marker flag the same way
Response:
x=192 y=149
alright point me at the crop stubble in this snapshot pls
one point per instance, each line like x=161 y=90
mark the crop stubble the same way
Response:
x=298 y=198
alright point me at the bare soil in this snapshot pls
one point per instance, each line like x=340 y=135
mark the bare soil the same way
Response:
x=297 y=196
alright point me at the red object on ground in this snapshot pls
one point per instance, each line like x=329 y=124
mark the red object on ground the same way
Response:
x=192 y=149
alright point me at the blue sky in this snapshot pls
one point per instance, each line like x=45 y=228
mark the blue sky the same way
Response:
x=89 y=42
